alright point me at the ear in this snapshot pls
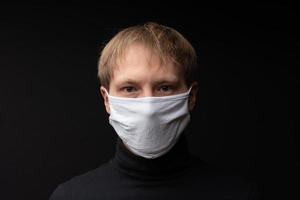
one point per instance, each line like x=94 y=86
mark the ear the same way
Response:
x=193 y=96
x=105 y=99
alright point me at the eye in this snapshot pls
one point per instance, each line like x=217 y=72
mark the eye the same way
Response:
x=129 y=89
x=164 y=88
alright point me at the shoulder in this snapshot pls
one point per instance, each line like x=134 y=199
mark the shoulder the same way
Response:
x=82 y=184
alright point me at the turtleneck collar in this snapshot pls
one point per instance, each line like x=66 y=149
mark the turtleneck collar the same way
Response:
x=171 y=164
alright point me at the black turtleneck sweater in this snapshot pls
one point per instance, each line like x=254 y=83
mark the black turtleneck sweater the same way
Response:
x=175 y=175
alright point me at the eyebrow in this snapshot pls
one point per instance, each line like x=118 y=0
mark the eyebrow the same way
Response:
x=128 y=81
x=156 y=82
x=159 y=82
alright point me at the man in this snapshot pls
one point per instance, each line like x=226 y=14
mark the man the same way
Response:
x=148 y=84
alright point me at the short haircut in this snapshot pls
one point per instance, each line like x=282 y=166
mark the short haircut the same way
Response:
x=164 y=41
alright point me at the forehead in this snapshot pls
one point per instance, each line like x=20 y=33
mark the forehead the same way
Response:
x=138 y=57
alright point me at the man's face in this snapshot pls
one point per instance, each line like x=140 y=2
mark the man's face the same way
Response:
x=141 y=74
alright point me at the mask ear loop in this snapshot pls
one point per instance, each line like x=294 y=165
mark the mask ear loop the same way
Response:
x=190 y=96
x=190 y=89
x=108 y=96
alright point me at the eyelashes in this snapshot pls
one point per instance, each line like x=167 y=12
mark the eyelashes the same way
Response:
x=161 y=90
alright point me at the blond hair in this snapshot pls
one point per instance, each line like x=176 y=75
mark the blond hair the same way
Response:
x=166 y=42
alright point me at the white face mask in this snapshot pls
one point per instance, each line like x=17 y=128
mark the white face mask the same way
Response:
x=149 y=126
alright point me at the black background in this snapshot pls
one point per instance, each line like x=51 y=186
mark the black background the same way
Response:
x=52 y=122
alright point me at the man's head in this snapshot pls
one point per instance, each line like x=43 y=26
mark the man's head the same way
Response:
x=147 y=60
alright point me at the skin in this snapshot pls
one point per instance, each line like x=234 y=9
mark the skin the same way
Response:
x=141 y=74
